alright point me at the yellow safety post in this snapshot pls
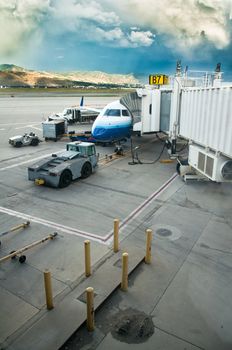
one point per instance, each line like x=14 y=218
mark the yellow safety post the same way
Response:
x=148 y=246
x=87 y=259
x=90 y=308
x=116 y=230
x=124 y=284
x=48 y=289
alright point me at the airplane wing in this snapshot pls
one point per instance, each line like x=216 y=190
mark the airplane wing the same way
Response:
x=90 y=109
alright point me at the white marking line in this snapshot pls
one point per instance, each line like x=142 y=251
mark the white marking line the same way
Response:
x=2 y=129
x=27 y=161
x=94 y=237
x=28 y=126
x=21 y=127
x=13 y=124
x=34 y=127
x=51 y=224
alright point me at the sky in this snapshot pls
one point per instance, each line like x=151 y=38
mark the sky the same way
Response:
x=141 y=37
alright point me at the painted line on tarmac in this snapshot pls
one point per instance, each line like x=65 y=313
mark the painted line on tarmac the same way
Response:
x=9 y=124
x=34 y=127
x=28 y=126
x=52 y=224
x=89 y=235
x=143 y=205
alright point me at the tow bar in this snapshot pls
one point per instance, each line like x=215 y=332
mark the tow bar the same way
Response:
x=15 y=228
x=18 y=253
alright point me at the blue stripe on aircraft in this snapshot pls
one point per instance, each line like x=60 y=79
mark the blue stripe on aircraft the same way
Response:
x=110 y=133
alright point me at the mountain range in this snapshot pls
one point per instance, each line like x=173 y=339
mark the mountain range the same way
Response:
x=15 y=76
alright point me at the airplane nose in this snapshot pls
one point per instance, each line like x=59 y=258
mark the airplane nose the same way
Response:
x=98 y=132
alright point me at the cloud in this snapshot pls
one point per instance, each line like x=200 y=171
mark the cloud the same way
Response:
x=182 y=22
x=140 y=38
x=20 y=21
x=75 y=16
x=131 y=39
x=182 y=25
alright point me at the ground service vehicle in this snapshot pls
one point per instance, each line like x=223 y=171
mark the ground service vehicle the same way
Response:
x=24 y=140
x=71 y=115
x=79 y=160
x=74 y=115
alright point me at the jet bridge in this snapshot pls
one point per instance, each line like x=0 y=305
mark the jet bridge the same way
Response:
x=200 y=114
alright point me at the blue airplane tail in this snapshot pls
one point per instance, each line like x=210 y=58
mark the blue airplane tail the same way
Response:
x=82 y=101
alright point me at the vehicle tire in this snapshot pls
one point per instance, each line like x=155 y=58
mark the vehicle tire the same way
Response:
x=18 y=144
x=34 y=142
x=86 y=170
x=22 y=259
x=65 y=179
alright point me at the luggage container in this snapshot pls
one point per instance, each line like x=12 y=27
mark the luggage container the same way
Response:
x=55 y=129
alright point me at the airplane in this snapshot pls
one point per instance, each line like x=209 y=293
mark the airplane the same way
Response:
x=114 y=123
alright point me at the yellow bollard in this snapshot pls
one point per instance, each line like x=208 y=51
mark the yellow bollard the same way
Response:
x=148 y=246
x=87 y=259
x=90 y=308
x=116 y=229
x=48 y=289
x=124 y=284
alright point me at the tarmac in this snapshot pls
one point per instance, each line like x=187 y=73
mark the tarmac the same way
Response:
x=186 y=289
x=182 y=300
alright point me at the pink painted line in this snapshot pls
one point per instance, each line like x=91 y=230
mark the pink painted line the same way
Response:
x=143 y=205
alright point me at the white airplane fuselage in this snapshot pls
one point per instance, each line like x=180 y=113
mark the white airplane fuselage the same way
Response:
x=114 y=123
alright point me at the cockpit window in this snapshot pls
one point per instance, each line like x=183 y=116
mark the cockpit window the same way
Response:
x=125 y=113
x=112 y=113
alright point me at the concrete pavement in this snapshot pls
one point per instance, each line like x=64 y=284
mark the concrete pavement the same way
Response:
x=187 y=288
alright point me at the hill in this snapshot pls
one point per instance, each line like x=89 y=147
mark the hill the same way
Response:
x=15 y=76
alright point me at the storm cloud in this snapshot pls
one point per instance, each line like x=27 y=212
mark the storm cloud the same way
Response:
x=181 y=25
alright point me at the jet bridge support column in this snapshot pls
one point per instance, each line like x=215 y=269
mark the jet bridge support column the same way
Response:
x=174 y=113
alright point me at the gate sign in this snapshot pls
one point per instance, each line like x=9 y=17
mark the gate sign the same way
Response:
x=158 y=79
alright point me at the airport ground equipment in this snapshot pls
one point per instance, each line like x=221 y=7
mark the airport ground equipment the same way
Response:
x=73 y=115
x=24 y=140
x=18 y=253
x=78 y=160
x=15 y=228
x=54 y=130
x=84 y=136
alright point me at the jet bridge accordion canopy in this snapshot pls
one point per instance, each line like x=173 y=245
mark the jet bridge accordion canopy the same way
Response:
x=134 y=104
